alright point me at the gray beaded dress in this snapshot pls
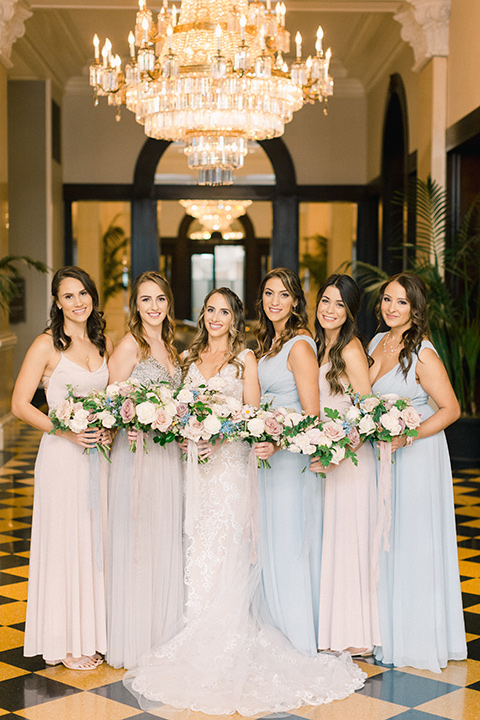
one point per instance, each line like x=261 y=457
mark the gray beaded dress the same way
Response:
x=144 y=559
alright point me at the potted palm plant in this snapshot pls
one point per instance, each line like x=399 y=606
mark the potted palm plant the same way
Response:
x=451 y=272
x=10 y=274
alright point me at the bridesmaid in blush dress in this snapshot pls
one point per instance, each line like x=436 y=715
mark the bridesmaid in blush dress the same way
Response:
x=420 y=603
x=290 y=496
x=66 y=592
x=348 y=612
x=144 y=574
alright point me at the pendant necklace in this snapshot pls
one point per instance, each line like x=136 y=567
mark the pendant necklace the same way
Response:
x=388 y=349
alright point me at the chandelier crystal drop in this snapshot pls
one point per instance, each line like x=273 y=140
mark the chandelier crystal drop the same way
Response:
x=212 y=74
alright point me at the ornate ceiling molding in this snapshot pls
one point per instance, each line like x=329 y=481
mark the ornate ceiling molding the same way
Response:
x=12 y=26
x=425 y=26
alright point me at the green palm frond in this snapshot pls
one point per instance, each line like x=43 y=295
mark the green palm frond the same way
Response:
x=115 y=245
x=9 y=273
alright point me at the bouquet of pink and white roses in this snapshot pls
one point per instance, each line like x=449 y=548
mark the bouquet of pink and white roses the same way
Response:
x=83 y=412
x=263 y=424
x=327 y=441
x=145 y=408
x=383 y=417
x=204 y=412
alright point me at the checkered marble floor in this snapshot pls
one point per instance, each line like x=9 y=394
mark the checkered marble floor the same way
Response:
x=30 y=690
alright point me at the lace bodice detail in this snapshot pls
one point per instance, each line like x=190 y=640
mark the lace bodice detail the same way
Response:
x=233 y=386
x=152 y=371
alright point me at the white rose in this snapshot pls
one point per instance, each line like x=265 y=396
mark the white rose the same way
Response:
x=193 y=429
x=233 y=404
x=353 y=414
x=107 y=419
x=112 y=390
x=256 y=426
x=165 y=394
x=391 y=424
x=337 y=455
x=366 y=426
x=146 y=412
x=170 y=408
x=292 y=418
x=185 y=395
x=216 y=383
x=304 y=444
x=294 y=449
x=212 y=425
x=79 y=421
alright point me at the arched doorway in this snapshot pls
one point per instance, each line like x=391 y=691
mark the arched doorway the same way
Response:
x=394 y=175
x=283 y=196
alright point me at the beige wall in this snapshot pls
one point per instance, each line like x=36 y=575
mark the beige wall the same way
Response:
x=464 y=60
x=325 y=149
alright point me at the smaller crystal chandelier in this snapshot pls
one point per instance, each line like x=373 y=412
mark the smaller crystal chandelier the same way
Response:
x=216 y=214
x=212 y=73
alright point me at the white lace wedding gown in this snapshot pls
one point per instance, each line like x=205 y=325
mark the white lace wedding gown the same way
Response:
x=227 y=658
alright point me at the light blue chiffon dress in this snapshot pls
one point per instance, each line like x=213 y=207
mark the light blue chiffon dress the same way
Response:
x=291 y=507
x=420 y=602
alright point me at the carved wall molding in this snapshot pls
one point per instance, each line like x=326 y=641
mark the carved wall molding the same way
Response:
x=13 y=14
x=425 y=26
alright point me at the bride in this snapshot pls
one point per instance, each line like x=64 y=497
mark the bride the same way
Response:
x=228 y=658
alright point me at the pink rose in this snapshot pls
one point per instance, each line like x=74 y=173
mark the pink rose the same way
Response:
x=411 y=418
x=127 y=411
x=391 y=423
x=369 y=403
x=315 y=436
x=64 y=410
x=354 y=437
x=193 y=429
x=334 y=430
x=272 y=427
x=162 y=421
x=182 y=409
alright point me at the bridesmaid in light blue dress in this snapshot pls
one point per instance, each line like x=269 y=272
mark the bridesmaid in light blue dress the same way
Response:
x=420 y=603
x=290 y=496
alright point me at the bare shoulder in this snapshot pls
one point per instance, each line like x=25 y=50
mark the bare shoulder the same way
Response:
x=353 y=351
x=43 y=345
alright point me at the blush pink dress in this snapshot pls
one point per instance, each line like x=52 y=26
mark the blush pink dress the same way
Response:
x=348 y=612
x=66 y=590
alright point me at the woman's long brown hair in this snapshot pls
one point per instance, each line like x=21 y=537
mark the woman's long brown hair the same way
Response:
x=298 y=320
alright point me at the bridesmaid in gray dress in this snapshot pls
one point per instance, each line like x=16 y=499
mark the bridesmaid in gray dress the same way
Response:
x=144 y=539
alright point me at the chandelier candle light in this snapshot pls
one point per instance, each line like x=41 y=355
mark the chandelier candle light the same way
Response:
x=216 y=215
x=212 y=73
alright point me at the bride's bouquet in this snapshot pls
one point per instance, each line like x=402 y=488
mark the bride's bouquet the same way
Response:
x=83 y=412
x=204 y=412
x=327 y=441
x=145 y=408
x=262 y=424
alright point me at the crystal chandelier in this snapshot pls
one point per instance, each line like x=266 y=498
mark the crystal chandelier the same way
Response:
x=216 y=214
x=212 y=73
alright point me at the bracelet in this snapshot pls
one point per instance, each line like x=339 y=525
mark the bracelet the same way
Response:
x=409 y=440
